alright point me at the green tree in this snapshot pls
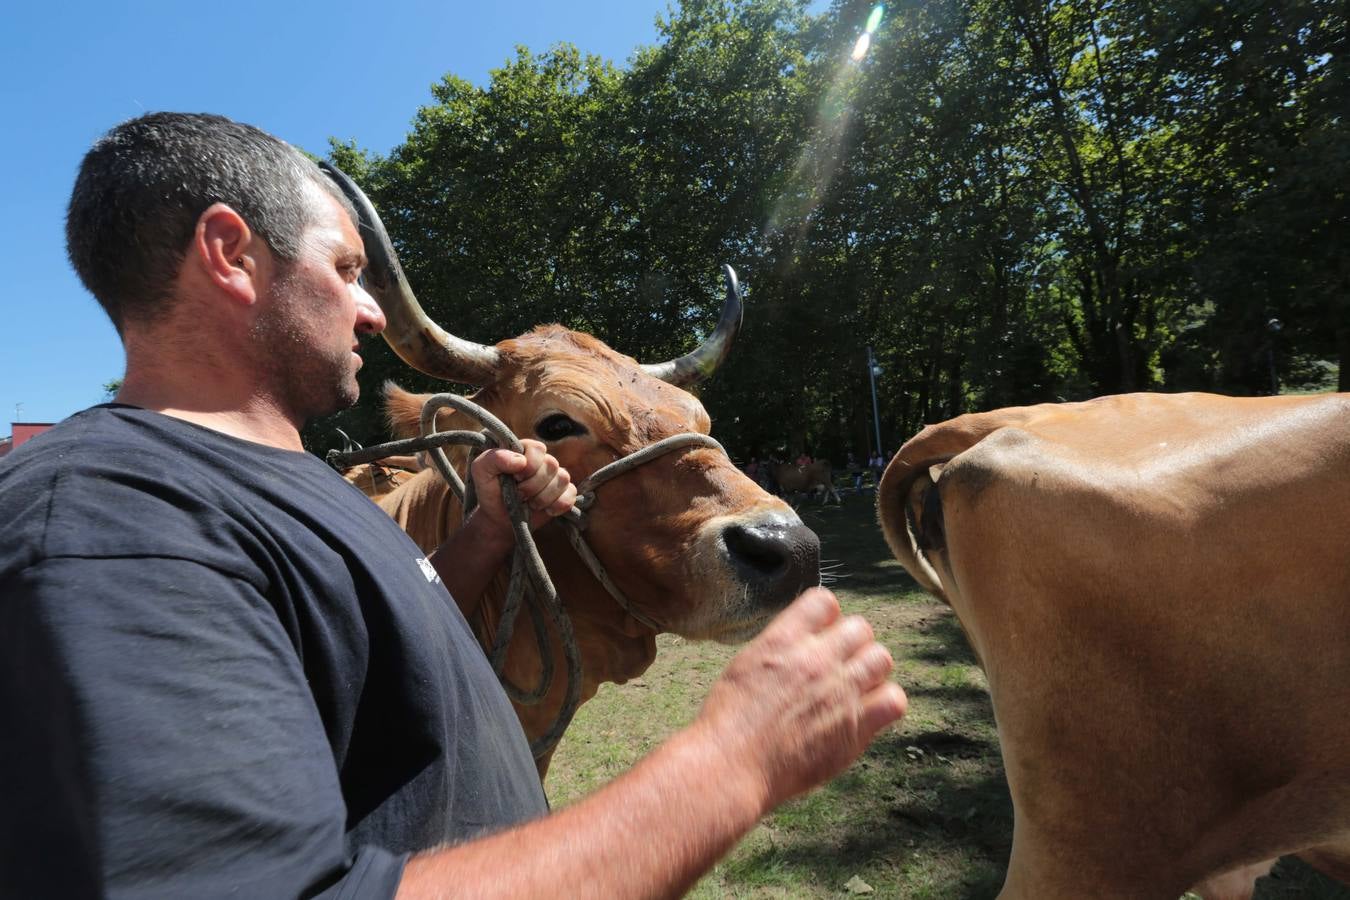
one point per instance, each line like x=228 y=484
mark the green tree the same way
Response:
x=1008 y=201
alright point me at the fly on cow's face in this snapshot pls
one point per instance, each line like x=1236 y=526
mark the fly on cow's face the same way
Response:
x=557 y=426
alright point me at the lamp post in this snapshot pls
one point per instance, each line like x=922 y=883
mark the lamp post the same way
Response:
x=873 y=370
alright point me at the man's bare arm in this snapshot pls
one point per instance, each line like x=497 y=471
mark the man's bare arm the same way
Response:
x=793 y=709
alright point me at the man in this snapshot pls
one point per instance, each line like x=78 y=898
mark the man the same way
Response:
x=223 y=671
x=877 y=464
x=855 y=470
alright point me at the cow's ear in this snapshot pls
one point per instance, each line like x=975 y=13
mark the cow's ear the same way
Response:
x=226 y=251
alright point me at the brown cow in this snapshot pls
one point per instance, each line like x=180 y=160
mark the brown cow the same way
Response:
x=1158 y=589
x=697 y=547
x=810 y=478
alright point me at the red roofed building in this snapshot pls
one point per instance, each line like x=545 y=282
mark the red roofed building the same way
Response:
x=20 y=433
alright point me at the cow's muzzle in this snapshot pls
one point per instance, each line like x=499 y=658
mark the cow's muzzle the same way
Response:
x=775 y=560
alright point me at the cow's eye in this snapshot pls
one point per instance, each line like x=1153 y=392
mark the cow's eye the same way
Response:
x=556 y=427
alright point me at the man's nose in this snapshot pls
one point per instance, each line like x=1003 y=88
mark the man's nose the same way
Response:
x=369 y=317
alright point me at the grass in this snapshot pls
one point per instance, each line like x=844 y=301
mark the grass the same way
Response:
x=925 y=813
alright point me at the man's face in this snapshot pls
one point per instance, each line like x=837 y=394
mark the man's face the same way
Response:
x=314 y=309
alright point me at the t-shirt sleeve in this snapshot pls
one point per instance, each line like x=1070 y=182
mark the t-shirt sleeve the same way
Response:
x=159 y=740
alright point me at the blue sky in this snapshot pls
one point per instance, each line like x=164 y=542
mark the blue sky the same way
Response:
x=304 y=71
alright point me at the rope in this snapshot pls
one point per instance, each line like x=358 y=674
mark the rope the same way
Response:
x=527 y=566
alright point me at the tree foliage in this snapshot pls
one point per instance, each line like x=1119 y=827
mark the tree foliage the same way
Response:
x=1007 y=201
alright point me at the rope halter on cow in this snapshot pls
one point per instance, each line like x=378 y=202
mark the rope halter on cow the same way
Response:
x=427 y=347
x=526 y=563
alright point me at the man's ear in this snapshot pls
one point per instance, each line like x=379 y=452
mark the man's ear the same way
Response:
x=225 y=250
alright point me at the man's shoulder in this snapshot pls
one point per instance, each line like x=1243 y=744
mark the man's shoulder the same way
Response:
x=33 y=475
x=85 y=435
x=118 y=481
x=85 y=455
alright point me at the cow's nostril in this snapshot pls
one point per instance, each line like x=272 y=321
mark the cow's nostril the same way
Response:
x=762 y=550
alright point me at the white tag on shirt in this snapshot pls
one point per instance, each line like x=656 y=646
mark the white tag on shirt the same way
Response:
x=428 y=569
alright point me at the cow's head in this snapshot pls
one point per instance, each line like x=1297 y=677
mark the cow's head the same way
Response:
x=697 y=547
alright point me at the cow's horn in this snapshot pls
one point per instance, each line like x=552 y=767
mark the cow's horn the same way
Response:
x=420 y=342
x=695 y=366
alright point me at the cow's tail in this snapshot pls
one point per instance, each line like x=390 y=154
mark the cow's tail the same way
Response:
x=909 y=507
x=904 y=487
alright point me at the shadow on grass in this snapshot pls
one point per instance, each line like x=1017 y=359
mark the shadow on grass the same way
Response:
x=951 y=645
x=948 y=745
x=916 y=826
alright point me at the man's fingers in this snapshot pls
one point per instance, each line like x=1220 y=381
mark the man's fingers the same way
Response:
x=532 y=455
x=536 y=479
x=846 y=637
x=880 y=707
x=566 y=500
x=500 y=462
x=552 y=491
x=814 y=610
x=869 y=667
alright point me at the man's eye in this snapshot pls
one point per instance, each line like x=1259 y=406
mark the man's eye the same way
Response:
x=556 y=427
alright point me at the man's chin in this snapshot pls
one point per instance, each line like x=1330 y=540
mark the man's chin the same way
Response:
x=344 y=397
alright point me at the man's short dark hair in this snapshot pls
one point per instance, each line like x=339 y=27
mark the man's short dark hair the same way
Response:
x=143 y=186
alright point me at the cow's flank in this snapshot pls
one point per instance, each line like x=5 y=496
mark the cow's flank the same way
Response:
x=1158 y=589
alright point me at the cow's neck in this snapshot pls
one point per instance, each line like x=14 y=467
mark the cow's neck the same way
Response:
x=613 y=646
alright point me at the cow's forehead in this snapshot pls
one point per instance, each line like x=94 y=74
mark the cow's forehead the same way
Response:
x=554 y=364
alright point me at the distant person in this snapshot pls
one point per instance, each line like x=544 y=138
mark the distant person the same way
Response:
x=855 y=471
x=877 y=464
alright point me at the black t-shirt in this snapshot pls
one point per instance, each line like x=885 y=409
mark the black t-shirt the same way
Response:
x=225 y=672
